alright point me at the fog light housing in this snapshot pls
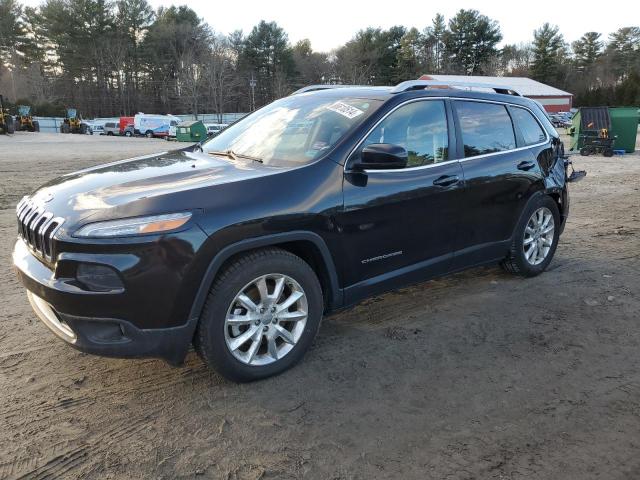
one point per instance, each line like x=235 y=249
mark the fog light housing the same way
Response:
x=98 y=278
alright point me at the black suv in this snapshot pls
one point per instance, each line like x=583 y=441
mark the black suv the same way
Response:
x=306 y=206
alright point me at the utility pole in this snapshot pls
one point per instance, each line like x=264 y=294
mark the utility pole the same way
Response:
x=252 y=84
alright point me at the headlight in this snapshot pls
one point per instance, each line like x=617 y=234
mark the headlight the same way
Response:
x=133 y=226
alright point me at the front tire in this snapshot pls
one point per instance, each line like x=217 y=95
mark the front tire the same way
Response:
x=261 y=315
x=535 y=239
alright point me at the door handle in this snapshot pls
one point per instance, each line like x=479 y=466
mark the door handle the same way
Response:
x=446 y=180
x=526 y=165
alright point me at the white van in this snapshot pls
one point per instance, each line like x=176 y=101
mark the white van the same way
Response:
x=154 y=125
x=215 y=128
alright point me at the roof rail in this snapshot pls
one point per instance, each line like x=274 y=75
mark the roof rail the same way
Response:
x=313 y=88
x=423 y=84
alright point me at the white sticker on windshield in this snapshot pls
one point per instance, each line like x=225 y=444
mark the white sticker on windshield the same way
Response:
x=345 y=110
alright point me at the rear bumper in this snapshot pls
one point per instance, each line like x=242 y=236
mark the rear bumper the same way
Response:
x=90 y=321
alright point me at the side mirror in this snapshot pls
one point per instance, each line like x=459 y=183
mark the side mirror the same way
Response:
x=381 y=156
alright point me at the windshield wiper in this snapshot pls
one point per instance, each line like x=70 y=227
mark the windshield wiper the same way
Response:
x=234 y=156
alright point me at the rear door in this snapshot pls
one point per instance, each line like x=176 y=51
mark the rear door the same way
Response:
x=500 y=175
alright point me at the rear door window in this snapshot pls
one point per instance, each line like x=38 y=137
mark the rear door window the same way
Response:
x=486 y=128
x=530 y=129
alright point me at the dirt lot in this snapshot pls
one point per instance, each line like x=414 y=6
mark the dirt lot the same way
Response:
x=481 y=375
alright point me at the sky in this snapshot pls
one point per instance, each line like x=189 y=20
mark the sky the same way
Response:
x=330 y=23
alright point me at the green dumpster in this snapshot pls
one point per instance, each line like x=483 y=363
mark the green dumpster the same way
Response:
x=191 y=131
x=588 y=122
x=624 y=125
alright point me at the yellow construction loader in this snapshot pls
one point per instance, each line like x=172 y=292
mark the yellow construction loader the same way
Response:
x=72 y=123
x=24 y=121
x=6 y=120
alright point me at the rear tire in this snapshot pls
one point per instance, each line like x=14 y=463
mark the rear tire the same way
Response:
x=522 y=260
x=216 y=340
x=607 y=152
x=585 y=151
x=149 y=134
x=36 y=126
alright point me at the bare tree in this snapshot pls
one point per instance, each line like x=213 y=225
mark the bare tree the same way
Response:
x=191 y=81
x=220 y=73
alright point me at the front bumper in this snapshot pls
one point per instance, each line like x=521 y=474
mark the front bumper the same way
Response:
x=90 y=321
x=111 y=337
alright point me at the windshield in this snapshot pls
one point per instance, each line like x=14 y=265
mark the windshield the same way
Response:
x=292 y=131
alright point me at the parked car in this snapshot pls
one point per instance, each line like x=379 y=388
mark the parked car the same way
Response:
x=111 y=128
x=561 y=120
x=302 y=208
x=154 y=125
x=214 y=129
x=93 y=128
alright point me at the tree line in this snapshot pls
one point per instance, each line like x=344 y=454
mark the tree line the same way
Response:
x=119 y=57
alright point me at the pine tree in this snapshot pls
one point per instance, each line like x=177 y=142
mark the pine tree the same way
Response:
x=470 y=43
x=548 y=54
x=587 y=49
x=435 y=37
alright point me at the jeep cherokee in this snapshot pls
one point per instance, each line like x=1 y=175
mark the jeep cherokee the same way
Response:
x=303 y=207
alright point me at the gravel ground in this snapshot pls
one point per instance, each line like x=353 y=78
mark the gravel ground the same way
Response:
x=480 y=375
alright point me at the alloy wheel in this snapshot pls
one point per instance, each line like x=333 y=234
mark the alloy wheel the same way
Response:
x=538 y=236
x=266 y=319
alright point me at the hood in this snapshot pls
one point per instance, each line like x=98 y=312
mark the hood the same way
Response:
x=88 y=192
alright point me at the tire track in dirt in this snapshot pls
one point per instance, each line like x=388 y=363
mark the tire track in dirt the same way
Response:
x=142 y=387
x=58 y=464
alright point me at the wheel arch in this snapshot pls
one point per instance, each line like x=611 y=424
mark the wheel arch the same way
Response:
x=307 y=245
x=554 y=194
x=557 y=198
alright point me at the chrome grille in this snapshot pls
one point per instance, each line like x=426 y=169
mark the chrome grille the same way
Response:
x=37 y=227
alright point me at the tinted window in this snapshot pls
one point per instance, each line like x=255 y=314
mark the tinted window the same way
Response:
x=419 y=127
x=486 y=128
x=110 y=125
x=529 y=127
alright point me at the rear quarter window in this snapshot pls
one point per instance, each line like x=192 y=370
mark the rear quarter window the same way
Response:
x=529 y=127
x=486 y=128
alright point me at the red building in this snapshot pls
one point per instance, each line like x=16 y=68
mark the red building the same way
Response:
x=552 y=99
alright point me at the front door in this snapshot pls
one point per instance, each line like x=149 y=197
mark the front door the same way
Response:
x=399 y=226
